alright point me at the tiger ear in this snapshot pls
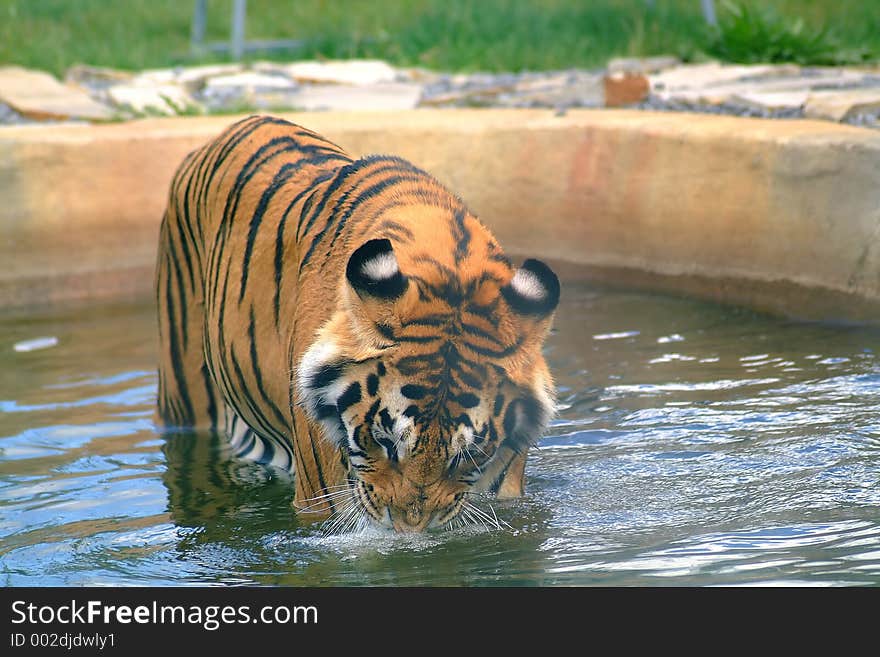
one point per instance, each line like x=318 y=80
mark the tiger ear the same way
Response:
x=533 y=290
x=373 y=271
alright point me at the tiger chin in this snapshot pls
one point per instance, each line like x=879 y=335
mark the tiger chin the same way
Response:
x=350 y=321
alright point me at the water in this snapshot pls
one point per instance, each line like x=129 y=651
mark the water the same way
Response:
x=696 y=445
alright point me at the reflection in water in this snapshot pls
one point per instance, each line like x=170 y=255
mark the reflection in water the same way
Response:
x=229 y=503
x=695 y=444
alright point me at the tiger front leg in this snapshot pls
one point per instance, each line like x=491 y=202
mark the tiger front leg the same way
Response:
x=514 y=481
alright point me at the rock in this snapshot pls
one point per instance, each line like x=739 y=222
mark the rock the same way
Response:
x=167 y=99
x=565 y=89
x=250 y=89
x=9 y=116
x=642 y=65
x=842 y=105
x=156 y=76
x=551 y=89
x=355 y=72
x=623 y=89
x=250 y=80
x=92 y=78
x=38 y=95
x=198 y=74
x=771 y=101
x=713 y=74
x=379 y=96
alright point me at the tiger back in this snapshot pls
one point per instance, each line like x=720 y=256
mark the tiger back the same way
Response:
x=349 y=320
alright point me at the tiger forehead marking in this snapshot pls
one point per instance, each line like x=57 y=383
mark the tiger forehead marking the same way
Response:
x=351 y=321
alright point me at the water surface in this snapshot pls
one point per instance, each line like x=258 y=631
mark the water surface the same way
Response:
x=696 y=445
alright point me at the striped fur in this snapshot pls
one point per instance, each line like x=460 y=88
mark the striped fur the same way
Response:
x=350 y=321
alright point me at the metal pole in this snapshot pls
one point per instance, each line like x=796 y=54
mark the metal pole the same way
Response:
x=239 y=10
x=709 y=12
x=197 y=37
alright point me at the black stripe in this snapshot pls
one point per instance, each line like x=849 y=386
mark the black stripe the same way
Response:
x=413 y=391
x=242 y=397
x=480 y=333
x=352 y=395
x=261 y=157
x=499 y=404
x=419 y=339
x=279 y=238
x=258 y=376
x=395 y=227
x=467 y=400
x=209 y=389
x=470 y=380
x=248 y=446
x=187 y=195
x=351 y=207
x=415 y=364
x=486 y=312
x=368 y=194
x=461 y=235
x=428 y=320
x=341 y=176
x=447 y=273
x=385 y=331
x=386 y=163
x=182 y=219
x=232 y=139
x=327 y=374
x=320 y=470
x=500 y=353
x=284 y=174
x=176 y=360
x=183 y=300
x=371 y=414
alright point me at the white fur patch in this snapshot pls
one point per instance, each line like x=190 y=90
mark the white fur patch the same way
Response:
x=528 y=285
x=316 y=356
x=380 y=268
x=406 y=435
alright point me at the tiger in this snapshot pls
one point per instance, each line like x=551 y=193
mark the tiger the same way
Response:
x=351 y=322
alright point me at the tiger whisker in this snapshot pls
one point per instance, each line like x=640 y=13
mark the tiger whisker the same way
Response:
x=325 y=499
x=329 y=526
x=335 y=493
x=498 y=521
x=312 y=502
x=493 y=518
x=471 y=457
x=489 y=519
x=477 y=447
x=356 y=524
x=343 y=517
x=474 y=518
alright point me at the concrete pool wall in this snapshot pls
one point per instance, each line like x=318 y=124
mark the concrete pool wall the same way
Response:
x=781 y=216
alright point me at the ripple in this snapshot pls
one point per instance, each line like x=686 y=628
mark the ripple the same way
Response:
x=693 y=445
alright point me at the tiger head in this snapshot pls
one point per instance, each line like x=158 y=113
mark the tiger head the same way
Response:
x=429 y=375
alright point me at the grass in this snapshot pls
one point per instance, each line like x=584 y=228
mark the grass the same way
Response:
x=454 y=35
x=752 y=33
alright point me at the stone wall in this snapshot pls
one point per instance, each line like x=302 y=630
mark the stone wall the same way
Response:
x=783 y=216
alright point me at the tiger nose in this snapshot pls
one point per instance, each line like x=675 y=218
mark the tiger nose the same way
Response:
x=411 y=518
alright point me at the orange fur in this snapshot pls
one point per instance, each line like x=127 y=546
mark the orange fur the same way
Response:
x=415 y=387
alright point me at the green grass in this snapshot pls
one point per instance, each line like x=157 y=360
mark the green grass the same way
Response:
x=750 y=33
x=455 y=35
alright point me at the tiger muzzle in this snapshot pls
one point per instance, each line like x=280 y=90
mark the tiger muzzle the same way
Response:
x=410 y=518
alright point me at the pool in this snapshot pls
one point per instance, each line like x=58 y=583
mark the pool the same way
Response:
x=696 y=444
